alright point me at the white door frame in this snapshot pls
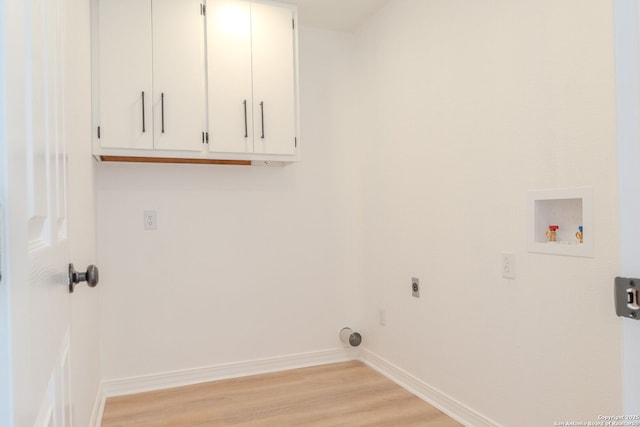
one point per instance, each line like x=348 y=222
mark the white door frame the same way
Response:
x=5 y=364
x=627 y=45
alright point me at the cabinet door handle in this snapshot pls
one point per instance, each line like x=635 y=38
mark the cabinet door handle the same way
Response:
x=162 y=110
x=246 y=129
x=262 y=117
x=143 y=119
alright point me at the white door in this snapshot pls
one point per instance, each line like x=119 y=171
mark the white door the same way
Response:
x=39 y=297
x=179 y=75
x=229 y=71
x=34 y=291
x=273 y=79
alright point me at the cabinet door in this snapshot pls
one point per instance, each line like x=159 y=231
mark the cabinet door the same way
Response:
x=229 y=72
x=125 y=73
x=178 y=75
x=273 y=79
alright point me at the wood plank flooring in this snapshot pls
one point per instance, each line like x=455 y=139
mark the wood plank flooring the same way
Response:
x=345 y=394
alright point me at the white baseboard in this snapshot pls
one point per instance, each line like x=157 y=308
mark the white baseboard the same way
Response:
x=436 y=398
x=220 y=372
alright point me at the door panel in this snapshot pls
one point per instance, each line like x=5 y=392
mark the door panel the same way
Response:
x=179 y=75
x=36 y=142
x=273 y=79
x=229 y=69
x=55 y=409
x=57 y=121
x=125 y=46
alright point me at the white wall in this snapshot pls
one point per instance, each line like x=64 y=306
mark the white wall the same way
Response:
x=416 y=165
x=247 y=263
x=469 y=105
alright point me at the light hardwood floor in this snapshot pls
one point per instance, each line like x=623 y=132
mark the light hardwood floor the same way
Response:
x=345 y=394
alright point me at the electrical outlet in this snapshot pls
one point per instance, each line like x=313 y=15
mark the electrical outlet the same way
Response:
x=150 y=220
x=415 y=287
x=508 y=265
x=382 y=317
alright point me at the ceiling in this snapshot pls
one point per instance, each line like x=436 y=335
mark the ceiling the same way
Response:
x=339 y=15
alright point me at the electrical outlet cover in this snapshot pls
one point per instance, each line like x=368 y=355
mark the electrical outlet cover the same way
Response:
x=508 y=265
x=150 y=220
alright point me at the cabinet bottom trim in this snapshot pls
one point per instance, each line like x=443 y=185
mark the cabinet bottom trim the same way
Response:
x=134 y=159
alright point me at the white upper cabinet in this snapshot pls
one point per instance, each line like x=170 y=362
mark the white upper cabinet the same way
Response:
x=179 y=90
x=273 y=79
x=195 y=79
x=229 y=76
x=125 y=73
x=251 y=75
x=152 y=74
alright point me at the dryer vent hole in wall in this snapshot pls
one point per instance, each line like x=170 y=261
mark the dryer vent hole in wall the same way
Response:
x=350 y=338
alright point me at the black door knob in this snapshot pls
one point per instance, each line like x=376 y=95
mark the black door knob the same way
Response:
x=91 y=276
